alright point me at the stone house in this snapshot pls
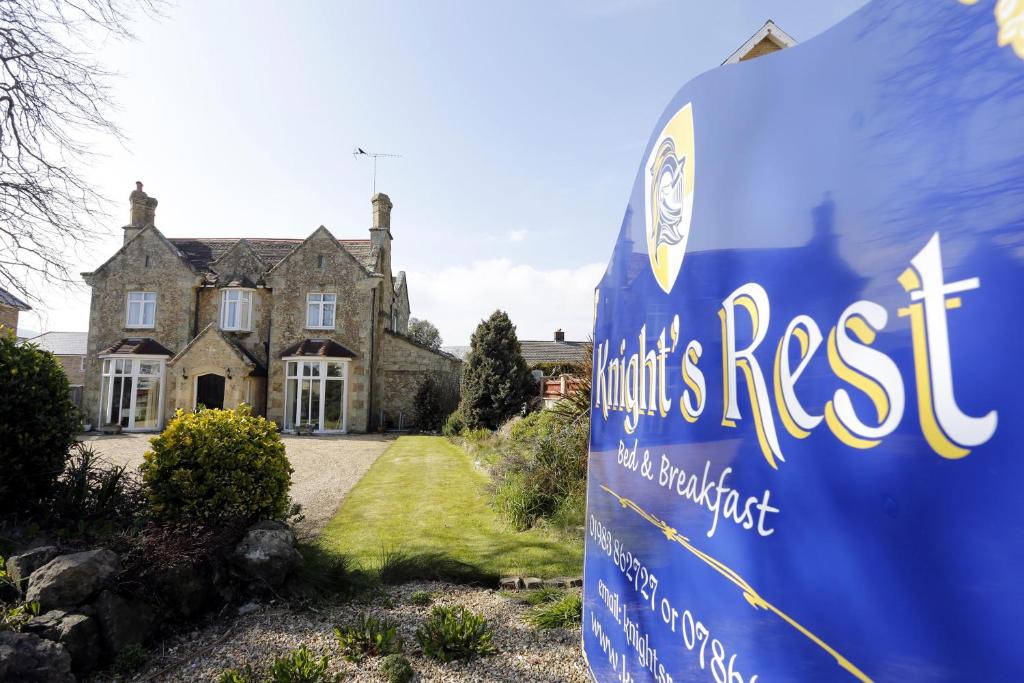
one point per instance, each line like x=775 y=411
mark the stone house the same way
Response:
x=69 y=348
x=309 y=332
x=10 y=308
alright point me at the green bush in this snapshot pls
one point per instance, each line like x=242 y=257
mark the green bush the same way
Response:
x=397 y=668
x=455 y=633
x=421 y=598
x=38 y=424
x=244 y=675
x=299 y=666
x=435 y=401
x=367 y=637
x=454 y=425
x=564 y=612
x=218 y=465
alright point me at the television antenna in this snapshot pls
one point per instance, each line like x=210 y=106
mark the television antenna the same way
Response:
x=360 y=152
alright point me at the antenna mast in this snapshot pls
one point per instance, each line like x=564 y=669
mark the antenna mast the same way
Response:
x=360 y=152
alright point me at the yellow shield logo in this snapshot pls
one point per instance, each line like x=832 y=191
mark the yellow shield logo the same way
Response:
x=668 y=196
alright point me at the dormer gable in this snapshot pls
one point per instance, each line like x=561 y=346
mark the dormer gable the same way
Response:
x=240 y=263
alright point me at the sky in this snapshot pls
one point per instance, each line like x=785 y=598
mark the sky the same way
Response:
x=520 y=127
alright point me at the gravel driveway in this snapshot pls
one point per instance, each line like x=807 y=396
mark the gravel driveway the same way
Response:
x=326 y=468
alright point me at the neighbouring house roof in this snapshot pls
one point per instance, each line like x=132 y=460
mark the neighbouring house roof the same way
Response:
x=459 y=352
x=62 y=343
x=202 y=251
x=137 y=346
x=325 y=348
x=553 y=351
x=8 y=299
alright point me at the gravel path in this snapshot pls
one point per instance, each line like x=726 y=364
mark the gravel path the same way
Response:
x=524 y=654
x=326 y=468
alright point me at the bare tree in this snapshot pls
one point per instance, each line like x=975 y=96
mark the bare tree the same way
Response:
x=54 y=98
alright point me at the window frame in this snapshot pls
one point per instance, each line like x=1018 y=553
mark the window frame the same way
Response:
x=131 y=370
x=141 y=324
x=295 y=371
x=244 y=295
x=322 y=305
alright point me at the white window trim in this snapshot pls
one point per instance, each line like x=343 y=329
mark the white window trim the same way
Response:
x=223 y=309
x=345 y=364
x=128 y=308
x=135 y=376
x=321 y=304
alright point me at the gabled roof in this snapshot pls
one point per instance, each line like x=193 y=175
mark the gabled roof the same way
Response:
x=8 y=299
x=137 y=346
x=259 y=370
x=62 y=343
x=324 y=348
x=174 y=249
x=203 y=251
x=769 y=32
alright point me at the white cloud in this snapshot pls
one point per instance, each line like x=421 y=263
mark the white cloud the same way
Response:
x=517 y=235
x=538 y=301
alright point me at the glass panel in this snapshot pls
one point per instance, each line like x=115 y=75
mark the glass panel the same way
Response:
x=147 y=403
x=149 y=367
x=309 y=403
x=104 y=403
x=149 y=314
x=292 y=368
x=328 y=315
x=335 y=369
x=289 y=401
x=106 y=367
x=334 y=395
x=244 y=310
x=311 y=369
x=312 y=315
x=330 y=298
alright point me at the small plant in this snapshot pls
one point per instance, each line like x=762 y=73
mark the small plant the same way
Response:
x=397 y=668
x=102 y=496
x=299 y=666
x=216 y=465
x=14 y=618
x=566 y=612
x=244 y=675
x=541 y=596
x=367 y=637
x=455 y=633
x=421 y=598
x=131 y=658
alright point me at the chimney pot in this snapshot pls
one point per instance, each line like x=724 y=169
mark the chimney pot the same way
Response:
x=380 y=231
x=559 y=335
x=143 y=212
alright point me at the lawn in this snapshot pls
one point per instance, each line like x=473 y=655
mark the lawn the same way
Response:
x=424 y=495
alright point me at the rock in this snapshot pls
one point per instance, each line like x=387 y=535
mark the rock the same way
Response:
x=187 y=588
x=266 y=554
x=21 y=566
x=78 y=633
x=533 y=583
x=576 y=582
x=124 y=621
x=512 y=583
x=29 y=658
x=560 y=582
x=70 y=580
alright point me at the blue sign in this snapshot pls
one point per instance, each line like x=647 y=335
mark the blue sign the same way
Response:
x=807 y=450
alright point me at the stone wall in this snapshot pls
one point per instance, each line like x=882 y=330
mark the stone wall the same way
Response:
x=210 y=301
x=211 y=354
x=73 y=369
x=404 y=366
x=9 y=317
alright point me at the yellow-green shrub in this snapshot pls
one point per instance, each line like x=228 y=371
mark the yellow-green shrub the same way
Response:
x=217 y=465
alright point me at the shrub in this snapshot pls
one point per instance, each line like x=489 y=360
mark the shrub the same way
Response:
x=496 y=383
x=421 y=598
x=454 y=425
x=367 y=637
x=436 y=399
x=244 y=675
x=216 y=465
x=397 y=668
x=564 y=612
x=96 y=496
x=38 y=424
x=299 y=666
x=455 y=633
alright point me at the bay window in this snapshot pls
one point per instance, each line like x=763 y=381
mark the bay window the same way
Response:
x=236 y=310
x=316 y=395
x=131 y=393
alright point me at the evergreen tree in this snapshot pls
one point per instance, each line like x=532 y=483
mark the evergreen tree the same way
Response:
x=495 y=379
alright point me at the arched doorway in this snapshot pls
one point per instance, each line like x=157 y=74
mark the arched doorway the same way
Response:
x=210 y=391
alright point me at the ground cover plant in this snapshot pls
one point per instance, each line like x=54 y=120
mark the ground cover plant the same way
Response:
x=437 y=504
x=397 y=668
x=561 y=611
x=452 y=633
x=367 y=636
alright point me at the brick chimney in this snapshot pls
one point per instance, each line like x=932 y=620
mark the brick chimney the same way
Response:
x=143 y=212
x=380 y=232
x=559 y=336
